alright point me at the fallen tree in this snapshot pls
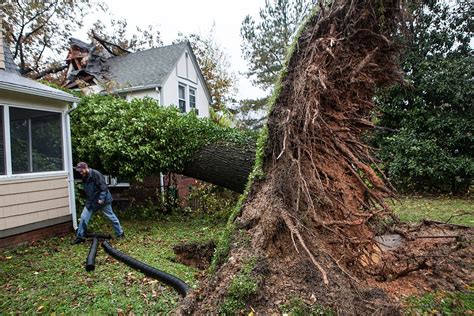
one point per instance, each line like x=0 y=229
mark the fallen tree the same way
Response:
x=307 y=228
x=139 y=138
x=308 y=224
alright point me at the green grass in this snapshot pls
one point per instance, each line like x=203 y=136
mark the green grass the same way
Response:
x=49 y=276
x=414 y=209
x=441 y=303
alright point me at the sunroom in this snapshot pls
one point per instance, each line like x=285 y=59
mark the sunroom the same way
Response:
x=36 y=176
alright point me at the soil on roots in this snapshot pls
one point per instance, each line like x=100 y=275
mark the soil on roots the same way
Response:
x=309 y=227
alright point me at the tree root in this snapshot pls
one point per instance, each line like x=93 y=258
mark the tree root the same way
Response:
x=294 y=231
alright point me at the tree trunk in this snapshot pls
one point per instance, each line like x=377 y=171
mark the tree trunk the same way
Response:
x=305 y=230
x=223 y=165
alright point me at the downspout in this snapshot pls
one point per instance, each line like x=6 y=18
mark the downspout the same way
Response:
x=72 y=194
x=162 y=182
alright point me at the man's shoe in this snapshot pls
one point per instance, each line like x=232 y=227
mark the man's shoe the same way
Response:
x=121 y=236
x=78 y=240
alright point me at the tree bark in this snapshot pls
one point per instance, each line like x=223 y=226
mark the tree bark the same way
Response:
x=223 y=165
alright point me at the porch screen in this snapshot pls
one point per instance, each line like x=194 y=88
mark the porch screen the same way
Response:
x=36 y=140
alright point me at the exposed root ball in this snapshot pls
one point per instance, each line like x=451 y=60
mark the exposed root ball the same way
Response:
x=309 y=224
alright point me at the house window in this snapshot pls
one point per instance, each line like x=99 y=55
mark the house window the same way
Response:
x=192 y=98
x=36 y=141
x=182 y=97
x=2 y=144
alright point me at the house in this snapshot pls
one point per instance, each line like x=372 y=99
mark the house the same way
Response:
x=169 y=74
x=36 y=181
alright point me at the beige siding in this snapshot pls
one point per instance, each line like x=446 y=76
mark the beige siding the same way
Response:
x=27 y=201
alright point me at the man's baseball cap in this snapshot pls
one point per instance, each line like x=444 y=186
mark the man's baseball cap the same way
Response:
x=81 y=166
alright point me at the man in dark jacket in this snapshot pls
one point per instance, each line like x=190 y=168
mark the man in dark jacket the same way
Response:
x=98 y=198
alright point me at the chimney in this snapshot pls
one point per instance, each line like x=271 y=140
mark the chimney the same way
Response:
x=2 y=51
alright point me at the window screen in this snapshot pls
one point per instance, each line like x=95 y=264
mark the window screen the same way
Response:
x=36 y=141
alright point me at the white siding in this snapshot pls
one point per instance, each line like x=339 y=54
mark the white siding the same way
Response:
x=151 y=93
x=186 y=73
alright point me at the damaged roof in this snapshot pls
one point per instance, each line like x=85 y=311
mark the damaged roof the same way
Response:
x=128 y=72
x=150 y=67
x=11 y=80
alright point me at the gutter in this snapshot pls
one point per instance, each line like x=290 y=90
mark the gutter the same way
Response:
x=137 y=88
x=37 y=92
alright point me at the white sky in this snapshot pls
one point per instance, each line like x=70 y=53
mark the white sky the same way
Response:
x=194 y=16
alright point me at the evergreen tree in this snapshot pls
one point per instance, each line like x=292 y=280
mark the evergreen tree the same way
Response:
x=265 y=41
x=430 y=143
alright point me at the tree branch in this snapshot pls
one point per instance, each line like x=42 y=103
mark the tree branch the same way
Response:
x=48 y=71
x=105 y=44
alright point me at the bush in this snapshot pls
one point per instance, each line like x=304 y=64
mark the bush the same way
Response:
x=430 y=143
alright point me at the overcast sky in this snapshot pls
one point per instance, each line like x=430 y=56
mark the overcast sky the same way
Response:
x=191 y=16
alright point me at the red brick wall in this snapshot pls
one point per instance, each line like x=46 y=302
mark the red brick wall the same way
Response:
x=38 y=234
x=182 y=183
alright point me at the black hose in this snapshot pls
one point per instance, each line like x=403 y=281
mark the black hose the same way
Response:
x=99 y=235
x=90 y=262
x=164 y=277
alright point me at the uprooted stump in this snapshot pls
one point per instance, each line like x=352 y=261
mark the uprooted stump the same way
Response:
x=308 y=225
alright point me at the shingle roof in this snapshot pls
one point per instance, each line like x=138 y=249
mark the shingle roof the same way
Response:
x=11 y=80
x=145 y=68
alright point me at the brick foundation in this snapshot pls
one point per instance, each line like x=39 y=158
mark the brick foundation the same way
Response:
x=37 y=234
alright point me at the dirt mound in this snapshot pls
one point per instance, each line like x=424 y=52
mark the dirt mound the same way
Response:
x=308 y=229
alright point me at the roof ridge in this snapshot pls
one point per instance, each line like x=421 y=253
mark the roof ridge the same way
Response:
x=147 y=50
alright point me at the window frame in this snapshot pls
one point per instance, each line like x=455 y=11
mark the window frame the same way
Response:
x=6 y=129
x=180 y=84
x=194 y=90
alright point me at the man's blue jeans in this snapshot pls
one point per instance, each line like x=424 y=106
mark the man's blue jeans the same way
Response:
x=108 y=212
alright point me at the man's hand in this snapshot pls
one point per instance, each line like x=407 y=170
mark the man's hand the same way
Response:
x=100 y=202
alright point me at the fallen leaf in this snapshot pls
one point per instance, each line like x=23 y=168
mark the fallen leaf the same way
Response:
x=40 y=308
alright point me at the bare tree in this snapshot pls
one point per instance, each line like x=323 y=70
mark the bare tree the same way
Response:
x=37 y=31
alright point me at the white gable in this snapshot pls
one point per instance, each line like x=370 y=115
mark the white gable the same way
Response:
x=185 y=74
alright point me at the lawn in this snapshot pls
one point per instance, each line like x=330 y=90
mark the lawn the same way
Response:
x=49 y=276
x=456 y=210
